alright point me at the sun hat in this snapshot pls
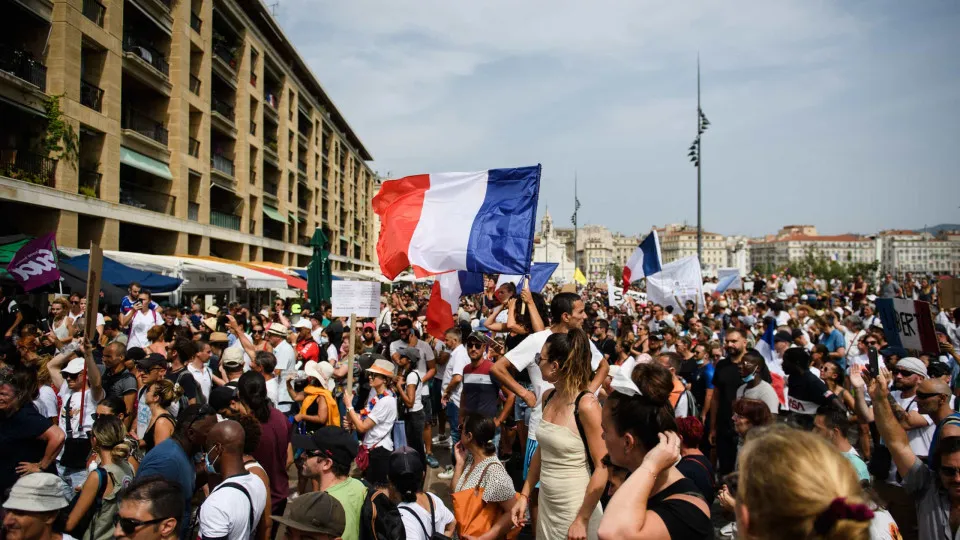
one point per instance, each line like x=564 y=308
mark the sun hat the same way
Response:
x=383 y=367
x=277 y=329
x=322 y=371
x=37 y=492
x=317 y=512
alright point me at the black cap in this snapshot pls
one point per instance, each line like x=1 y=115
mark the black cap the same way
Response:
x=367 y=359
x=151 y=361
x=222 y=396
x=784 y=336
x=337 y=443
x=940 y=328
x=796 y=333
x=135 y=354
x=385 y=328
x=476 y=336
x=406 y=461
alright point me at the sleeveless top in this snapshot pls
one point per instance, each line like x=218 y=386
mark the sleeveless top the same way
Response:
x=61 y=330
x=148 y=435
x=101 y=526
x=683 y=519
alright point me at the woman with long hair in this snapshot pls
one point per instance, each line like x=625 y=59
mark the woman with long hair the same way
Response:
x=478 y=468
x=274 y=452
x=567 y=462
x=424 y=515
x=407 y=386
x=257 y=333
x=793 y=484
x=159 y=396
x=833 y=376
x=639 y=429
x=108 y=438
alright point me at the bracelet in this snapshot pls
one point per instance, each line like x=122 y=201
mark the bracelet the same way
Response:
x=651 y=473
x=524 y=496
x=350 y=408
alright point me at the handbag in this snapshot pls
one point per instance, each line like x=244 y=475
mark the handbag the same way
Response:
x=475 y=516
x=76 y=450
x=363 y=454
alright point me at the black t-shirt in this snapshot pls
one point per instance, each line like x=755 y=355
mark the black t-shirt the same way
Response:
x=119 y=384
x=699 y=469
x=18 y=438
x=606 y=346
x=8 y=314
x=726 y=380
x=807 y=393
x=185 y=380
x=688 y=370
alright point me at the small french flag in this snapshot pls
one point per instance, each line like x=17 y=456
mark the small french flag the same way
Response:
x=445 y=299
x=645 y=261
x=765 y=348
x=476 y=221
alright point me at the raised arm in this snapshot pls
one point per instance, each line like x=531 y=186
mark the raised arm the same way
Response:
x=93 y=372
x=56 y=364
x=491 y=322
x=501 y=372
x=894 y=436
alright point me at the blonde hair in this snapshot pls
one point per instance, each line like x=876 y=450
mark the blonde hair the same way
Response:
x=110 y=435
x=166 y=391
x=43 y=374
x=155 y=333
x=64 y=303
x=571 y=352
x=790 y=478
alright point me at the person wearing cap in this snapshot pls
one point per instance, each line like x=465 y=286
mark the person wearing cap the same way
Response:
x=307 y=348
x=73 y=420
x=286 y=360
x=32 y=507
x=314 y=516
x=375 y=421
x=150 y=369
x=805 y=391
x=368 y=338
x=328 y=454
x=407 y=387
x=232 y=365
x=424 y=514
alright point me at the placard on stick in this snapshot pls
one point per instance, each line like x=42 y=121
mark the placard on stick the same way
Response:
x=950 y=293
x=94 y=271
x=360 y=298
x=908 y=324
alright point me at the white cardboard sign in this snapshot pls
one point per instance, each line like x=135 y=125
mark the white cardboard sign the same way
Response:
x=360 y=298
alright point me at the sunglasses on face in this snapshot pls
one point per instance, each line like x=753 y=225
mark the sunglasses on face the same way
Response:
x=475 y=345
x=130 y=525
x=871 y=343
x=901 y=373
x=71 y=376
x=949 y=472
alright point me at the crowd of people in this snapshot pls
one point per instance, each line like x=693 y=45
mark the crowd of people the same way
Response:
x=561 y=416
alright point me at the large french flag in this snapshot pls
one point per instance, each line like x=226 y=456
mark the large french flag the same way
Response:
x=645 y=261
x=445 y=299
x=539 y=277
x=765 y=348
x=477 y=221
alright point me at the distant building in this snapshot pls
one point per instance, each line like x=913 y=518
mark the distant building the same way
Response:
x=909 y=251
x=793 y=242
x=550 y=247
x=678 y=241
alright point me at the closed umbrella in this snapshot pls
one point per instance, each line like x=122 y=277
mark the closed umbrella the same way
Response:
x=319 y=272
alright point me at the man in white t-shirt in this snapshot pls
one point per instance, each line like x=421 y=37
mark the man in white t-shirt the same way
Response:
x=427 y=368
x=566 y=313
x=789 y=285
x=451 y=387
x=286 y=361
x=236 y=505
x=74 y=422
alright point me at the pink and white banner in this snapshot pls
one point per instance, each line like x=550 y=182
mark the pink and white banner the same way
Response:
x=35 y=264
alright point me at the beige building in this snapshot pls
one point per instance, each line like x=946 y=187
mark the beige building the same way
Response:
x=548 y=247
x=793 y=242
x=678 y=241
x=199 y=131
x=909 y=251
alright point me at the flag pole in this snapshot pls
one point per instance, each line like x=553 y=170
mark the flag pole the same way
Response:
x=576 y=205
x=699 y=166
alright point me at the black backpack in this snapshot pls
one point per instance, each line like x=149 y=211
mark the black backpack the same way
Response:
x=380 y=517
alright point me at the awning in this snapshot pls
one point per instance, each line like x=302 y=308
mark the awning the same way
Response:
x=255 y=279
x=303 y=273
x=273 y=214
x=294 y=218
x=195 y=278
x=121 y=275
x=9 y=246
x=293 y=282
x=144 y=163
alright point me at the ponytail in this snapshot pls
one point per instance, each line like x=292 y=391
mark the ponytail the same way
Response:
x=571 y=352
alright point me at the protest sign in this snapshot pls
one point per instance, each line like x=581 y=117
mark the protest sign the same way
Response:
x=676 y=283
x=735 y=283
x=950 y=293
x=360 y=298
x=614 y=293
x=94 y=271
x=908 y=324
x=35 y=264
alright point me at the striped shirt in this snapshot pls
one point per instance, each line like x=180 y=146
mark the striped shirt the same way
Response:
x=480 y=391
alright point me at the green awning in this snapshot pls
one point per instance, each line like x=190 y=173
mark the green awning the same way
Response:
x=294 y=218
x=144 y=163
x=273 y=214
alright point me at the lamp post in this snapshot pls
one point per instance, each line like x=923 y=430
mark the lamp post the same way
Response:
x=696 y=154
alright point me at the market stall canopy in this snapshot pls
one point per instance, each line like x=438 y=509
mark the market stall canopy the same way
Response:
x=121 y=275
x=75 y=279
x=294 y=282
x=254 y=279
x=195 y=278
x=302 y=272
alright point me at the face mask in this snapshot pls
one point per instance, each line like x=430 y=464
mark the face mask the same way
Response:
x=209 y=464
x=324 y=340
x=748 y=378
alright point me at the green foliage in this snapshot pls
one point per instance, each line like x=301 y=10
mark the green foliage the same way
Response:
x=61 y=140
x=88 y=191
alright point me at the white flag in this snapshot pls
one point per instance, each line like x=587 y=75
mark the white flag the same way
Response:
x=676 y=283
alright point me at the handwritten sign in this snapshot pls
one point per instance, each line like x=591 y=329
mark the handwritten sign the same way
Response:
x=908 y=324
x=360 y=298
x=94 y=270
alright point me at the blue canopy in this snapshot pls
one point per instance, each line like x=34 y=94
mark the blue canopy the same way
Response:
x=122 y=275
x=303 y=274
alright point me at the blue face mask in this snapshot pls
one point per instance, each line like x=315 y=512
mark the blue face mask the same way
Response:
x=210 y=464
x=748 y=378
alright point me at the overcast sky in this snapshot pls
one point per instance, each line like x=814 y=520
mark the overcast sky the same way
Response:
x=840 y=114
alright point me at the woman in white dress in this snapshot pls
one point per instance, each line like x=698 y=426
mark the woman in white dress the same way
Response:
x=140 y=319
x=568 y=461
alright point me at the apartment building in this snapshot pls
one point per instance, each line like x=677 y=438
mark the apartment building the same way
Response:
x=679 y=240
x=909 y=251
x=197 y=129
x=793 y=242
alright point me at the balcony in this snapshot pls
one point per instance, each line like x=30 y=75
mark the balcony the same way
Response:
x=270 y=152
x=91 y=95
x=223 y=108
x=227 y=221
x=195 y=22
x=222 y=164
x=253 y=128
x=270 y=189
x=195 y=84
x=302 y=167
x=139 y=196
x=89 y=182
x=225 y=59
x=253 y=176
x=21 y=64
x=303 y=202
x=144 y=125
x=94 y=10
x=28 y=167
x=273 y=103
x=194 y=147
x=148 y=54
x=193 y=211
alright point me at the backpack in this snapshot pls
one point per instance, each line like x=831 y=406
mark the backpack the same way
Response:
x=84 y=524
x=380 y=518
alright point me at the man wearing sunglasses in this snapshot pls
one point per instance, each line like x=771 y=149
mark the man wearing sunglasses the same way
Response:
x=151 y=508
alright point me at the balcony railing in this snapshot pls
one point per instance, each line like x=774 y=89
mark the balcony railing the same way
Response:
x=227 y=221
x=146 y=53
x=144 y=125
x=270 y=188
x=193 y=211
x=271 y=99
x=223 y=108
x=195 y=84
x=302 y=167
x=253 y=176
x=253 y=128
x=94 y=11
x=140 y=196
x=89 y=182
x=91 y=95
x=21 y=64
x=195 y=21
x=27 y=166
x=194 y=147
x=226 y=53
x=222 y=164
